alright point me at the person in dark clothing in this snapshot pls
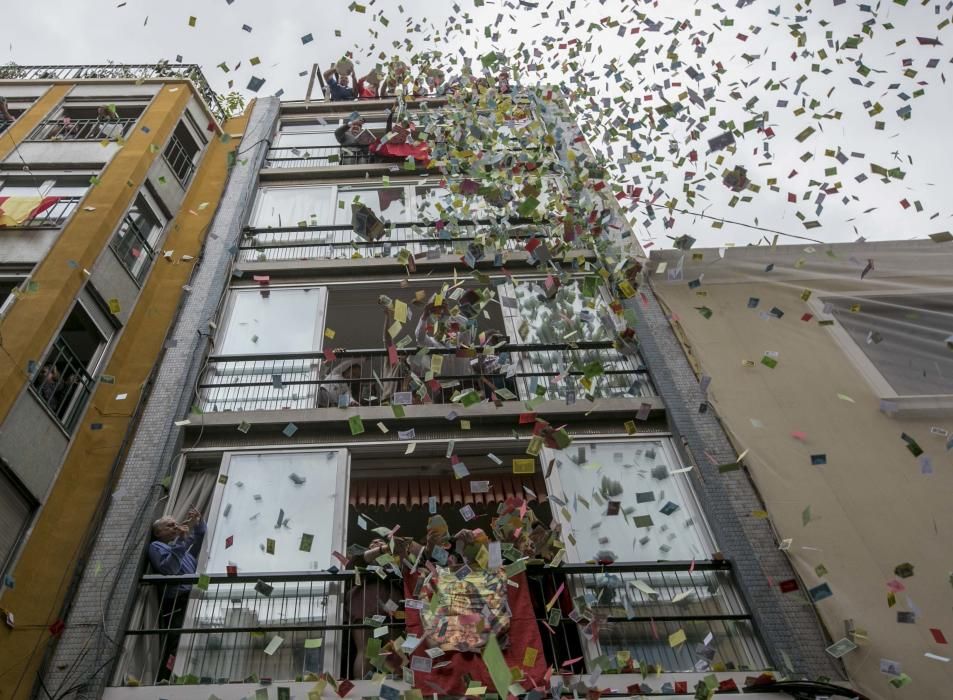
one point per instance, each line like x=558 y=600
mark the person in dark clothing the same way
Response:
x=338 y=85
x=174 y=552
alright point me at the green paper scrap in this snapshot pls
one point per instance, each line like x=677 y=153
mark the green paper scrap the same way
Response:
x=356 y=425
x=306 y=542
x=204 y=580
x=496 y=665
x=769 y=362
x=313 y=643
x=398 y=410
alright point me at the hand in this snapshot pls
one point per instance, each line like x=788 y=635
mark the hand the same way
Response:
x=193 y=516
x=181 y=530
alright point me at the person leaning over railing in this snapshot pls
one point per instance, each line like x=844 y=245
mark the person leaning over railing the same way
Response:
x=174 y=552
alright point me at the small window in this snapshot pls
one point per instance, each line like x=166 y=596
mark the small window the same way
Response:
x=137 y=237
x=12 y=278
x=16 y=510
x=904 y=337
x=63 y=381
x=181 y=154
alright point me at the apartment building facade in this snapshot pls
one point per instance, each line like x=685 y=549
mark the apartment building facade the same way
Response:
x=368 y=342
x=108 y=175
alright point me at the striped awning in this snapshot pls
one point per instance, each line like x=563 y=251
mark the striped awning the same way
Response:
x=416 y=491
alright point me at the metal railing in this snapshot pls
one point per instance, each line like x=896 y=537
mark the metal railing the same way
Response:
x=331 y=156
x=51 y=217
x=271 y=382
x=63 y=384
x=69 y=129
x=617 y=616
x=121 y=71
x=179 y=161
x=419 y=238
x=319 y=156
x=132 y=246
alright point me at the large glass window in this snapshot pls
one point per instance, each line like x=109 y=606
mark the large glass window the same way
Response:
x=293 y=206
x=272 y=513
x=575 y=314
x=623 y=502
x=269 y=324
x=389 y=203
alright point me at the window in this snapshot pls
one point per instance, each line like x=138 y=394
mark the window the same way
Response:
x=63 y=381
x=389 y=203
x=904 y=338
x=276 y=513
x=134 y=242
x=181 y=154
x=575 y=314
x=627 y=505
x=268 y=325
x=16 y=511
x=279 y=207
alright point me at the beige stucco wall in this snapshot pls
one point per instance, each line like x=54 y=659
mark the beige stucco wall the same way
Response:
x=871 y=508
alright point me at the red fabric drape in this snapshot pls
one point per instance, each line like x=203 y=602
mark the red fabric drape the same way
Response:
x=44 y=204
x=523 y=635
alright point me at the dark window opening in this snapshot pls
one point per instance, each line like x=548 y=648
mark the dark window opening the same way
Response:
x=181 y=153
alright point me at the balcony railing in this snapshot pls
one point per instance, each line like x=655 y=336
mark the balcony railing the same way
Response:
x=120 y=71
x=331 y=156
x=67 y=129
x=51 y=217
x=340 y=241
x=132 y=246
x=219 y=635
x=63 y=385
x=271 y=382
x=179 y=161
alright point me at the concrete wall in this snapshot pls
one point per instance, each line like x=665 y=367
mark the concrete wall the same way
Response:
x=32 y=444
x=113 y=281
x=26 y=245
x=66 y=152
x=872 y=507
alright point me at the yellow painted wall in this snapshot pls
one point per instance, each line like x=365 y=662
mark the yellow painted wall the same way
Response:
x=47 y=563
x=31 y=323
x=871 y=509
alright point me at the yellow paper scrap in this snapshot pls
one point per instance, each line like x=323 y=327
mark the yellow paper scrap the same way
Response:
x=676 y=638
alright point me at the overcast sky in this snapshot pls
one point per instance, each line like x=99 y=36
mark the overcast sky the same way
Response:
x=752 y=44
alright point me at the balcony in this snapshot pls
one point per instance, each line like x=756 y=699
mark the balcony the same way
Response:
x=586 y=618
x=82 y=129
x=298 y=243
x=52 y=212
x=121 y=71
x=560 y=372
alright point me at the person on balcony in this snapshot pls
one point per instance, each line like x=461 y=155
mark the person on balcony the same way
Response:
x=337 y=78
x=174 y=552
x=6 y=118
x=354 y=137
x=369 y=86
x=399 y=141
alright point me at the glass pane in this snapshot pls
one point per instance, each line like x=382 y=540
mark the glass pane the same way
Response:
x=307 y=139
x=435 y=203
x=269 y=502
x=571 y=316
x=389 y=203
x=293 y=206
x=656 y=513
x=283 y=321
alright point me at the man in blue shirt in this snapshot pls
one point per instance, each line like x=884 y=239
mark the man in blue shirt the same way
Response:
x=174 y=552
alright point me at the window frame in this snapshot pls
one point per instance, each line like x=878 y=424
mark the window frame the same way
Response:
x=335 y=594
x=896 y=403
x=154 y=238
x=16 y=486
